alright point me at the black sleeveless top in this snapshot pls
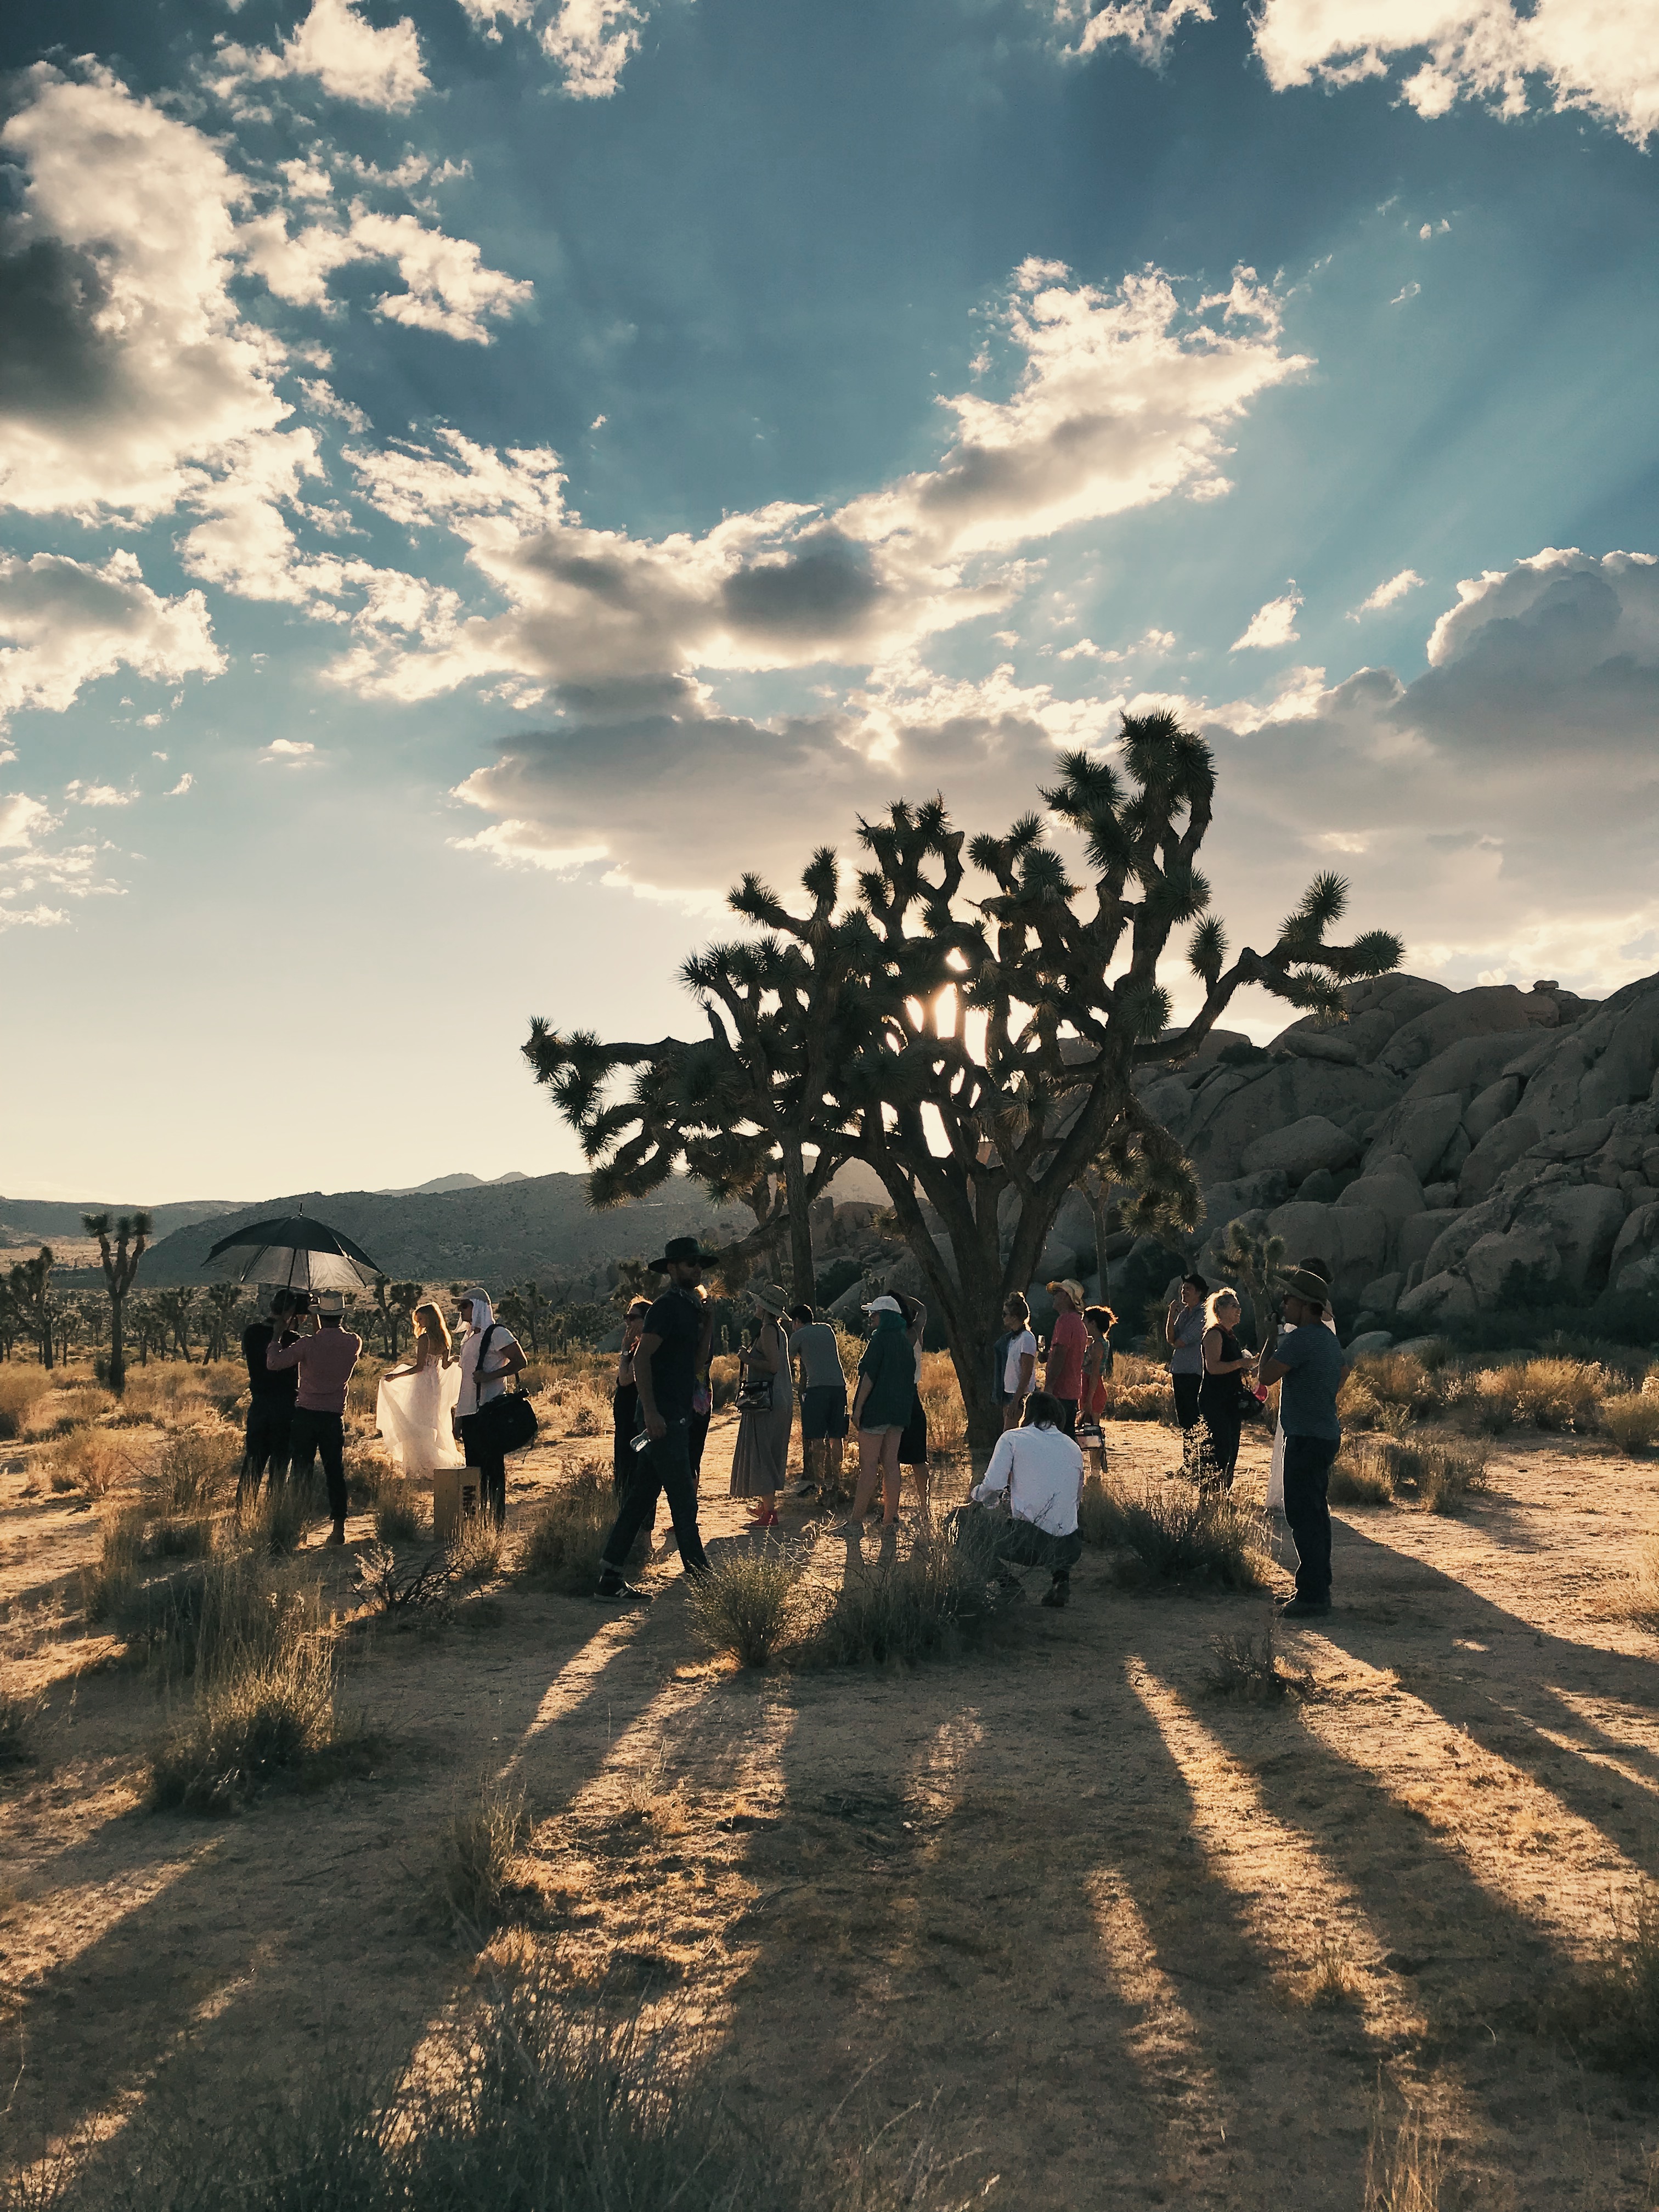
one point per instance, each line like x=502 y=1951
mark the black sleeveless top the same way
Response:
x=1226 y=1386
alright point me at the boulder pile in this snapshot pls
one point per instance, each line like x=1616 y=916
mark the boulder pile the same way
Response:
x=1446 y=1153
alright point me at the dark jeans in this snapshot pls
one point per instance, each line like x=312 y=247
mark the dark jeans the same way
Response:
x=1307 y=1508
x=1187 y=1388
x=1025 y=1545
x=624 y=1406
x=664 y=1466
x=309 y=1433
x=269 y=1420
x=491 y=1466
x=1222 y=1409
x=696 y=1437
x=1068 y=1414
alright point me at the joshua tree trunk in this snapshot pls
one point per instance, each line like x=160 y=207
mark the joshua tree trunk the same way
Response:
x=120 y=1265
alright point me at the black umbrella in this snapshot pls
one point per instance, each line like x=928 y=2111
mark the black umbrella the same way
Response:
x=300 y=1253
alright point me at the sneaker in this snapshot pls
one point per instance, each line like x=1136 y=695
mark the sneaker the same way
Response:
x=618 y=1592
x=1057 y=1595
x=1304 y=1608
x=336 y=1533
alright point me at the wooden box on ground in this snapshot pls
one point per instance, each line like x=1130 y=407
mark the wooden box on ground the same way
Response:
x=454 y=1495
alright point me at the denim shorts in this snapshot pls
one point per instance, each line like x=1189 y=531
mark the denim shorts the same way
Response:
x=822 y=1412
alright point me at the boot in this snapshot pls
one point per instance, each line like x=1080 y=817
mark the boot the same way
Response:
x=337 y=1535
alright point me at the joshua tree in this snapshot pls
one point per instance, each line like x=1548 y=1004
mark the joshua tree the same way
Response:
x=1254 y=1258
x=977 y=1049
x=31 y=1290
x=130 y=1235
x=535 y=1307
x=220 y=1305
x=634 y=1280
x=176 y=1310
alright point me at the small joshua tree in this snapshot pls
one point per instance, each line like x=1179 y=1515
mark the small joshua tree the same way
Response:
x=975 y=1044
x=31 y=1289
x=177 y=1310
x=1256 y=1259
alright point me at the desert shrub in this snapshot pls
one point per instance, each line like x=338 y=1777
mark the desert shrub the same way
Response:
x=1484 y=1399
x=1357 y=1405
x=1138 y=1389
x=209 y=1614
x=367 y=1472
x=107 y=1584
x=941 y=1397
x=277 y=1520
x=578 y=1397
x=20 y=1386
x=88 y=1460
x=488 y=1827
x=748 y=1601
x=167 y=1392
x=1398 y=1378
x=1362 y=1475
x=723 y=1380
x=266 y=1701
x=1612 y=2006
x=64 y=1407
x=192 y=1470
x=1632 y=1421
x=407 y=1592
x=560 y=1549
x=1248 y=1668
x=181 y=1536
x=397 y=1516
x=475 y=1550
x=20 y=1717
x=931 y=1604
x=1443 y=1476
x=523 y=2104
x=1640 y=1601
x=1558 y=1393
x=1173 y=1532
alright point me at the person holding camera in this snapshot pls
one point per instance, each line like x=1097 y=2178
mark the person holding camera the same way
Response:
x=324 y=1362
x=665 y=1375
x=490 y=1354
x=269 y=1397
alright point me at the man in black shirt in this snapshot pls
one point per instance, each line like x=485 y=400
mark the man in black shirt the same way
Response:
x=271 y=1397
x=666 y=1375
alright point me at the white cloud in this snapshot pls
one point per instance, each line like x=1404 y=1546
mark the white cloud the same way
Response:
x=1121 y=399
x=1386 y=592
x=1600 y=55
x=1406 y=292
x=63 y=623
x=350 y=57
x=1271 y=625
x=34 y=917
x=22 y=819
x=180 y=788
x=1145 y=28
x=97 y=794
x=448 y=288
x=293 y=752
x=591 y=41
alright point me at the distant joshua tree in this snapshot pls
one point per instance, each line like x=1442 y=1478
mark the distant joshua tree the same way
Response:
x=221 y=1311
x=177 y=1310
x=121 y=1248
x=30 y=1282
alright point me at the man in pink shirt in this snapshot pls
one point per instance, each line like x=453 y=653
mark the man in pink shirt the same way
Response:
x=325 y=1361
x=1062 y=1372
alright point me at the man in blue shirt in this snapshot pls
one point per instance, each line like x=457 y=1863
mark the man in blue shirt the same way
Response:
x=1309 y=1366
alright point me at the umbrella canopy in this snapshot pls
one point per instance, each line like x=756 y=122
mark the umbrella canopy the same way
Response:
x=300 y=1253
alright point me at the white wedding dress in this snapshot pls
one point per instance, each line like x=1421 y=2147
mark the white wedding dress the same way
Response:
x=413 y=1412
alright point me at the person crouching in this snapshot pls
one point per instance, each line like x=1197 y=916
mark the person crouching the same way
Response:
x=1040 y=1470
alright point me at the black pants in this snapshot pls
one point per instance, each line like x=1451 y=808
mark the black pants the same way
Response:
x=663 y=1467
x=1025 y=1545
x=625 y=1405
x=269 y=1420
x=1221 y=1408
x=1068 y=1414
x=913 y=1444
x=309 y=1433
x=1187 y=1388
x=1307 y=1508
x=491 y=1465
x=696 y=1437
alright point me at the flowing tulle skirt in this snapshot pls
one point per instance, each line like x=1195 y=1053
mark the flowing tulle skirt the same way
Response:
x=412 y=1414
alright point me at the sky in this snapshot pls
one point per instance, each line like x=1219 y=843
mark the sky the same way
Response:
x=475 y=480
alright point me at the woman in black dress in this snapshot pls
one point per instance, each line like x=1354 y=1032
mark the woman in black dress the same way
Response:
x=1221 y=1394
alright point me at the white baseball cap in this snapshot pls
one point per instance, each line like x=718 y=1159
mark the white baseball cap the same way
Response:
x=884 y=1304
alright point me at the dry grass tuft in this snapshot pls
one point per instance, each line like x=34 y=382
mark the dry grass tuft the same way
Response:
x=1170 y=1531
x=397 y=1516
x=488 y=1827
x=1445 y=1476
x=368 y=1473
x=1632 y=1421
x=475 y=1555
x=1612 y=2010
x=1641 y=1600
x=749 y=1601
x=1362 y=1475
x=106 y=1585
x=1558 y=1393
x=1331 y=1979
x=20 y=1719
x=285 y=1511
x=1139 y=1390
x=88 y=1460
x=932 y=1604
x=560 y=1549
x=404 y=1592
x=20 y=1388
x=1248 y=1668
x=1404 y=2169
x=941 y=1398
x=194 y=1470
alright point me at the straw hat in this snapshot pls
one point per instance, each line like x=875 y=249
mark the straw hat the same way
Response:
x=1074 y=1289
x=770 y=1298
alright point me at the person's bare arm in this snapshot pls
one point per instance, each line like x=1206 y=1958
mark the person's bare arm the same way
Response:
x=858 y=1398
x=769 y=1355
x=1170 y=1321
x=1027 y=1374
x=1213 y=1363
x=655 y=1427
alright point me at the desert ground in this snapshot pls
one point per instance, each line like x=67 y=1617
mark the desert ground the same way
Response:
x=1114 y=1938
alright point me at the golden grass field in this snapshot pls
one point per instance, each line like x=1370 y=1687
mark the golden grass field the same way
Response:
x=1073 y=1903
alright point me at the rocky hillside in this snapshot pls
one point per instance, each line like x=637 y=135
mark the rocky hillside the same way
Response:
x=1450 y=1154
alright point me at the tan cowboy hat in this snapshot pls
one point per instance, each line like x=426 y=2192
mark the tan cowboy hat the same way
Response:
x=1074 y=1289
x=769 y=1298
x=1301 y=1284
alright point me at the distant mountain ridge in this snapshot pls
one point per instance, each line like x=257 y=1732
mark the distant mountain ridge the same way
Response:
x=539 y=1226
x=23 y=1218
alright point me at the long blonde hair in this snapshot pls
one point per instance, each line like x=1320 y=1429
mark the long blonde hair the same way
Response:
x=436 y=1325
x=1226 y=1296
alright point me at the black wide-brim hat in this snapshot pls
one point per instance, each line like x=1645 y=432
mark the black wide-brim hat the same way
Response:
x=679 y=1249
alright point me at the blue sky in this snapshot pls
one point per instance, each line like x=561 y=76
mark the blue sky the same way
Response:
x=474 y=480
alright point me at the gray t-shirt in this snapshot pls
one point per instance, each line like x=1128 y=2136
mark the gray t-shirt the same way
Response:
x=814 y=1345
x=1187 y=1357
x=1312 y=1360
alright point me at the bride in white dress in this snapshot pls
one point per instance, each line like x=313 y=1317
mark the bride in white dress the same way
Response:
x=416 y=1402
